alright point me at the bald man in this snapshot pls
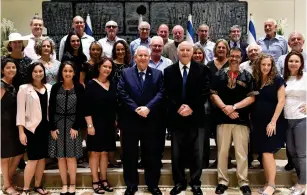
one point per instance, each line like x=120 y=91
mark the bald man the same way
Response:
x=187 y=86
x=170 y=50
x=163 y=31
x=78 y=25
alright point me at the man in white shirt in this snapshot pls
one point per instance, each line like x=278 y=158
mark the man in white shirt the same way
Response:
x=78 y=25
x=163 y=31
x=107 y=42
x=205 y=43
x=36 y=26
x=253 y=50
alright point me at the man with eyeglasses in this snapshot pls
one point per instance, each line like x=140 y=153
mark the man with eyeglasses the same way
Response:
x=232 y=118
x=78 y=25
x=236 y=42
x=144 y=39
x=111 y=37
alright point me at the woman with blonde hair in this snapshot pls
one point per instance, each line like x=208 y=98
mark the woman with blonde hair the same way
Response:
x=199 y=54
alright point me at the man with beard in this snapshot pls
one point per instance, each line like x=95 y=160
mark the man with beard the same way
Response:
x=163 y=31
x=253 y=51
x=272 y=43
x=170 y=50
x=108 y=41
x=296 y=43
x=78 y=25
x=205 y=43
x=235 y=41
x=232 y=119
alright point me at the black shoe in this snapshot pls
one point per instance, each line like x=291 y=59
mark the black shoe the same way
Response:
x=131 y=190
x=196 y=190
x=155 y=191
x=246 y=190
x=140 y=165
x=177 y=189
x=289 y=167
x=220 y=189
x=115 y=165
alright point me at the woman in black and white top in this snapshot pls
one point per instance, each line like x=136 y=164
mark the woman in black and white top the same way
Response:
x=295 y=112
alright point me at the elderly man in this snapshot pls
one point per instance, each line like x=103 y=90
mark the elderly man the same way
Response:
x=273 y=44
x=187 y=86
x=141 y=91
x=107 y=42
x=156 y=59
x=296 y=43
x=205 y=43
x=232 y=117
x=36 y=26
x=253 y=51
x=78 y=25
x=235 y=41
x=163 y=31
x=170 y=50
x=144 y=39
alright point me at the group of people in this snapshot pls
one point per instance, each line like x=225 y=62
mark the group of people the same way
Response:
x=240 y=93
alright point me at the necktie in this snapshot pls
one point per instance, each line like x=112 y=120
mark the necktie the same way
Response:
x=141 y=78
x=235 y=45
x=184 y=81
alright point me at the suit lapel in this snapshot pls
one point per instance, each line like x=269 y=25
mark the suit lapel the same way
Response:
x=136 y=78
x=33 y=93
x=193 y=71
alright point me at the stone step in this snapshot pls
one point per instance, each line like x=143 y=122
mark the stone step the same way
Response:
x=51 y=178
x=281 y=154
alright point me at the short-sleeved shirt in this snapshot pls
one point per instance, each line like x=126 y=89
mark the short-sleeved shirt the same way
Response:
x=107 y=46
x=231 y=94
x=275 y=47
x=162 y=64
x=208 y=48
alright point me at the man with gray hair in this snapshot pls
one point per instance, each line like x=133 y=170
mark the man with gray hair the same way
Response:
x=144 y=39
x=272 y=43
x=107 y=42
x=205 y=43
x=296 y=43
x=163 y=31
x=253 y=50
x=170 y=50
x=78 y=25
x=235 y=41
x=141 y=92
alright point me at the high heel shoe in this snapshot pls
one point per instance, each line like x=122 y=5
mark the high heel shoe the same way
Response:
x=106 y=186
x=97 y=190
x=272 y=186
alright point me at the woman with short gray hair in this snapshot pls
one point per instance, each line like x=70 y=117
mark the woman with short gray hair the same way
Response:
x=45 y=48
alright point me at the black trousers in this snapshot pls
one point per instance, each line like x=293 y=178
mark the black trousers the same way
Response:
x=187 y=149
x=148 y=134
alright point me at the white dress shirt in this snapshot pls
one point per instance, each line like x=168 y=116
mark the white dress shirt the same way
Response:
x=181 y=68
x=29 y=51
x=107 y=46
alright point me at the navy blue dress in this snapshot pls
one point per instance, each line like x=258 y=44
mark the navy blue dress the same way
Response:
x=262 y=112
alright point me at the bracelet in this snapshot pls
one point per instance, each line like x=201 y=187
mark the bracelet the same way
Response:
x=90 y=125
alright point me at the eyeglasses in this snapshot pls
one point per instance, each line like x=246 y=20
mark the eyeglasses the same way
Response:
x=111 y=26
x=236 y=57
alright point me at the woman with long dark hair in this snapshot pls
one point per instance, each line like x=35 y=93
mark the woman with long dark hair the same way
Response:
x=33 y=124
x=66 y=119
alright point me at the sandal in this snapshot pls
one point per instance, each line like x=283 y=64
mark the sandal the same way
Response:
x=106 y=187
x=36 y=189
x=97 y=190
x=13 y=192
x=269 y=185
x=63 y=193
x=26 y=192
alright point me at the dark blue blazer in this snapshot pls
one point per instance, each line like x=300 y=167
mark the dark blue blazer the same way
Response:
x=243 y=47
x=132 y=95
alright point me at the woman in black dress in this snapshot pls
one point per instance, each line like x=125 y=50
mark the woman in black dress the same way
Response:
x=268 y=122
x=73 y=52
x=33 y=124
x=66 y=119
x=12 y=150
x=100 y=117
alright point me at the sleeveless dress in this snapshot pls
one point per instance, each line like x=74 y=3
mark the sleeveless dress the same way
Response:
x=10 y=144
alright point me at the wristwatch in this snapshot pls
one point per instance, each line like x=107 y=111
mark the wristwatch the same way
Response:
x=234 y=107
x=90 y=125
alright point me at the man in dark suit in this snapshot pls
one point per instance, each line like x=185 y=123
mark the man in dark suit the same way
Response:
x=187 y=86
x=235 y=41
x=141 y=92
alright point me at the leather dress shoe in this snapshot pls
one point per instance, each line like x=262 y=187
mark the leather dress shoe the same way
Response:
x=289 y=167
x=177 y=189
x=197 y=190
x=155 y=191
x=220 y=189
x=131 y=190
x=246 y=190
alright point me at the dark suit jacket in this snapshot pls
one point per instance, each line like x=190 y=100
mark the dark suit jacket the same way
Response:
x=132 y=95
x=197 y=92
x=243 y=47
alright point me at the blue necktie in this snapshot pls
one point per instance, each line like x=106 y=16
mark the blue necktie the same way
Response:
x=184 y=81
x=235 y=45
x=141 y=78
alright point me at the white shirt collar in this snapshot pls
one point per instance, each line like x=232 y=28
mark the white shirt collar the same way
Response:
x=181 y=65
x=142 y=71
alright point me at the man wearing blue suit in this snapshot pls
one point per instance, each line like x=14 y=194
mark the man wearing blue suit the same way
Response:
x=141 y=92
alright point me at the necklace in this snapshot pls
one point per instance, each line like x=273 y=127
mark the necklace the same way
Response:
x=101 y=81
